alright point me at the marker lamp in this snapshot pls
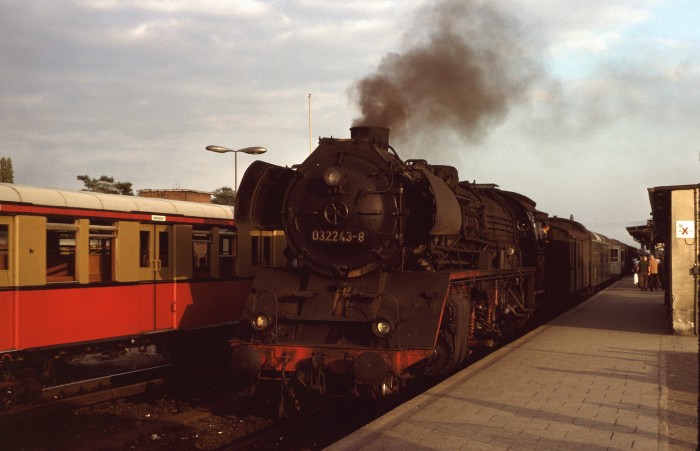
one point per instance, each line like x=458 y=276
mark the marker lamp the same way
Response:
x=333 y=176
x=381 y=327
x=260 y=322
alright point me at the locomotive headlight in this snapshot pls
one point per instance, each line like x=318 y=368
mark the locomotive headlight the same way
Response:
x=381 y=327
x=260 y=322
x=333 y=176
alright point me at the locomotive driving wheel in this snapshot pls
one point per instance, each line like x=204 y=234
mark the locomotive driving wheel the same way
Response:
x=443 y=356
x=452 y=347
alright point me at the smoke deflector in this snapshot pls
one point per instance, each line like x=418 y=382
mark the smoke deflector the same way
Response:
x=448 y=217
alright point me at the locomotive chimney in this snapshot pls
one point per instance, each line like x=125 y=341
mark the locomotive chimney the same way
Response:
x=376 y=135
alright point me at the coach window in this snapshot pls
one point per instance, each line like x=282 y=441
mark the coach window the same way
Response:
x=102 y=235
x=164 y=249
x=4 y=247
x=227 y=253
x=201 y=252
x=614 y=256
x=60 y=250
x=145 y=249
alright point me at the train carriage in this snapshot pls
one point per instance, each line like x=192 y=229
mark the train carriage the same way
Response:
x=83 y=270
x=621 y=258
x=579 y=261
x=567 y=259
x=600 y=267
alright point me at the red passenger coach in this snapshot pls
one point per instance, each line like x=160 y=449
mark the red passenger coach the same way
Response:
x=83 y=270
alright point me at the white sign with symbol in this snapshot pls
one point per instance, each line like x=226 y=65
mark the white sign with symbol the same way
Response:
x=685 y=229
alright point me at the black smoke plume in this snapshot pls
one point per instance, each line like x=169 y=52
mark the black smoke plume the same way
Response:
x=463 y=66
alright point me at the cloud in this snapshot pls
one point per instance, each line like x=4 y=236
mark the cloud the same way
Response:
x=238 y=8
x=461 y=67
x=135 y=90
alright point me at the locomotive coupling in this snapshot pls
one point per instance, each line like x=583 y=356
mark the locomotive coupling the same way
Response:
x=370 y=368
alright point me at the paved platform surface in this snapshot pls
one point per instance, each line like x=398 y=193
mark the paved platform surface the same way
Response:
x=605 y=375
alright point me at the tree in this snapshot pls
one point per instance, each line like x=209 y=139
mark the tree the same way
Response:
x=6 y=174
x=224 y=196
x=106 y=184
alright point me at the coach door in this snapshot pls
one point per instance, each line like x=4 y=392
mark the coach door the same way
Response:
x=155 y=252
x=156 y=262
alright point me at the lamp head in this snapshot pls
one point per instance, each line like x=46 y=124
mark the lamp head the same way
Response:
x=249 y=150
x=253 y=150
x=219 y=149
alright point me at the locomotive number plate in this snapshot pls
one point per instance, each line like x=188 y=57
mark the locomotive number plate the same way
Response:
x=337 y=236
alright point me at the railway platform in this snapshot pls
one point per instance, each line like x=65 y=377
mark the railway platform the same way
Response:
x=604 y=375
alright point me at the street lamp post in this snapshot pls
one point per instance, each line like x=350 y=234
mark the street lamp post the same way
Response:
x=248 y=150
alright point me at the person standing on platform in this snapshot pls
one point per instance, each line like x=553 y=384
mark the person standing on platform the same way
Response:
x=662 y=272
x=653 y=273
x=643 y=271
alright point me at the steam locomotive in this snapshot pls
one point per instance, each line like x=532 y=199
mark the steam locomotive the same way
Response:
x=394 y=269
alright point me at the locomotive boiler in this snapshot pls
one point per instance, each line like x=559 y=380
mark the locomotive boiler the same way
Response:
x=395 y=268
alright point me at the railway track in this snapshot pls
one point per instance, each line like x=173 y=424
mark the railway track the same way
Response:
x=216 y=422
x=209 y=416
x=171 y=411
x=74 y=395
x=272 y=436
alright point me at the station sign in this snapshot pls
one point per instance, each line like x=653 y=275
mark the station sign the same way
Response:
x=685 y=229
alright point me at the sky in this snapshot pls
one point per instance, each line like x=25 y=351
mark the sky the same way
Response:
x=580 y=106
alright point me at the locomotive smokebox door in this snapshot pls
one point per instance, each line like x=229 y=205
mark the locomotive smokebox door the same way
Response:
x=344 y=211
